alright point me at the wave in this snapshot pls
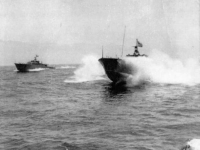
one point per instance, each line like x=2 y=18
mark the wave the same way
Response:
x=160 y=68
x=90 y=70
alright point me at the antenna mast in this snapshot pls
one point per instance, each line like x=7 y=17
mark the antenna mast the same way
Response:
x=123 y=41
x=102 y=51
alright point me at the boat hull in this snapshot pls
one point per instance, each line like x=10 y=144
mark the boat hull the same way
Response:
x=26 y=67
x=117 y=69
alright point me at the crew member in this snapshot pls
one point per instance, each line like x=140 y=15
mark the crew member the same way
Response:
x=136 y=52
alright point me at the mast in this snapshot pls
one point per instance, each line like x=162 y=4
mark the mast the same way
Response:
x=123 y=41
x=102 y=51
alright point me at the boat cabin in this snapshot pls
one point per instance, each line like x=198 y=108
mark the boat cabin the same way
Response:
x=35 y=61
x=136 y=53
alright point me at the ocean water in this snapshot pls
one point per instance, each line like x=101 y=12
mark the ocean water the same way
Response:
x=71 y=108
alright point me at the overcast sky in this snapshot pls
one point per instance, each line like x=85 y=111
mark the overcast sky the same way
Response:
x=63 y=31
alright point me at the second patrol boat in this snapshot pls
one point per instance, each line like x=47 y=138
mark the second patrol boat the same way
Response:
x=33 y=64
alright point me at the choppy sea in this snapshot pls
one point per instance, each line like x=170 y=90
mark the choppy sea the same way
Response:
x=53 y=110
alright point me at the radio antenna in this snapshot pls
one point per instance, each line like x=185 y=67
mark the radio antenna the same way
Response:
x=123 y=41
x=102 y=51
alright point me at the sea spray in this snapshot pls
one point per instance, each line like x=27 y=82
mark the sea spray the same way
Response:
x=193 y=144
x=160 y=68
x=138 y=75
x=89 y=70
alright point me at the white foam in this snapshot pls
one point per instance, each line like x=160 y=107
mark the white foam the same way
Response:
x=193 y=144
x=66 y=67
x=160 y=68
x=37 y=69
x=90 y=70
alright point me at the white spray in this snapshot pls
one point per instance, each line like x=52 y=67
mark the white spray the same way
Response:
x=157 y=68
x=193 y=144
x=90 y=70
x=160 y=68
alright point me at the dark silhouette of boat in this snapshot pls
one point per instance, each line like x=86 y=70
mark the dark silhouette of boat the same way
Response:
x=117 y=69
x=33 y=64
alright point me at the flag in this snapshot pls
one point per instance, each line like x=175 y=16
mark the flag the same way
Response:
x=138 y=44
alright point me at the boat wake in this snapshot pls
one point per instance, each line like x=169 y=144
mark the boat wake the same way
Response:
x=36 y=70
x=160 y=68
x=90 y=70
x=66 y=67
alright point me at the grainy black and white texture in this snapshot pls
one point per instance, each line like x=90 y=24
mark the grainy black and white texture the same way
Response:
x=38 y=110
x=76 y=107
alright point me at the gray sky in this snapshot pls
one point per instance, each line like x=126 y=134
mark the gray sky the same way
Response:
x=63 y=31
